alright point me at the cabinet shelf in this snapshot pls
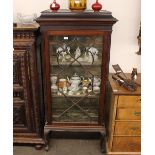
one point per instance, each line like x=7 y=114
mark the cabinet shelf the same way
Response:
x=76 y=119
x=53 y=62
x=86 y=122
x=75 y=96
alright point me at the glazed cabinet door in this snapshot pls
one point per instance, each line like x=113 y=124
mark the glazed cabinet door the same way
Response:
x=22 y=110
x=74 y=77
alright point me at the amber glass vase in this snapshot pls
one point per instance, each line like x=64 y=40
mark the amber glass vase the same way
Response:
x=77 y=5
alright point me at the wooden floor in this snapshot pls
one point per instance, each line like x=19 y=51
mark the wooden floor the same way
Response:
x=67 y=147
x=63 y=147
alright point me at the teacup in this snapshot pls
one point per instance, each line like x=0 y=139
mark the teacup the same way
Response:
x=84 y=89
x=96 y=89
x=62 y=83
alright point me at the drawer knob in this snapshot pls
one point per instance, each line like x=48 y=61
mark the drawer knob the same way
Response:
x=134 y=128
x=131 y=145
x=139 y=100
x=137 y=113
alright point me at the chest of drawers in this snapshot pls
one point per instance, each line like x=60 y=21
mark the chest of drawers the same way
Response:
x=124 y=125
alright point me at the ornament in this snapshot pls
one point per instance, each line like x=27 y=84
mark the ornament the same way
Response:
x=77 y=5
x=54 y=6
x=96 y=6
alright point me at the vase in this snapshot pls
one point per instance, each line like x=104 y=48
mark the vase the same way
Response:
x=54 y=6
x=54 y=87
x=96 y=6
x=77 y=5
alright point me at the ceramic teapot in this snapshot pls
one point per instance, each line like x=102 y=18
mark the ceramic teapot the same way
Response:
x=74 y=81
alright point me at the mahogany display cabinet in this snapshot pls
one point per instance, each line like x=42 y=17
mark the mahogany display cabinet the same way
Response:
x=75 y=62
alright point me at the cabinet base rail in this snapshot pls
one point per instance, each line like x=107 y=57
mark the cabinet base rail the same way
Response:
x=101 y=129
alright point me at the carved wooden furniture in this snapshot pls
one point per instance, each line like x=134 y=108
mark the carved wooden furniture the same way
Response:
x=26 y=104
x=75 y=45
x=124 y=129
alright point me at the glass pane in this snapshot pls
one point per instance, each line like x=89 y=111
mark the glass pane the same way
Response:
x=75 y=73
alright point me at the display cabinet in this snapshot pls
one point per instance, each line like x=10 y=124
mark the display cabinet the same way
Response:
x=75 y=62
x=27 y=120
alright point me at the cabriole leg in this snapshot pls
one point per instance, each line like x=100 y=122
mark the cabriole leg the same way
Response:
x=103 y=142
x=46 y=139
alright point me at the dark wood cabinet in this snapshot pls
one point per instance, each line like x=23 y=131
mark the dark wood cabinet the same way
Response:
x=27 y=120
x=75 y=61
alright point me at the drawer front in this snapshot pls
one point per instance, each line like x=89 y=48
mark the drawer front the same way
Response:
x=128 y=114
x=126 y=144
x=127 y=128
x=129 y=101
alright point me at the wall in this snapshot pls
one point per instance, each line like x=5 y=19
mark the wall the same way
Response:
x=125 y=31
